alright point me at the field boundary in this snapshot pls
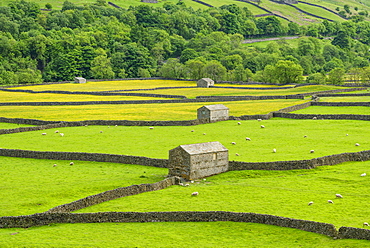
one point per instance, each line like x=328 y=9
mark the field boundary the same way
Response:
x=41 y=219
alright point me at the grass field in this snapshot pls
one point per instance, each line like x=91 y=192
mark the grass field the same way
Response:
x=282 y=193
x=346 y=99
x=33 y=186
x=326 y=137
x=159 y=111
x=11 y=125
x=170 y=234
x=334 y=110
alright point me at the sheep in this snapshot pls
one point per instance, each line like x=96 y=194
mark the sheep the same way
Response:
x=274 y=150
x=347 y=134
x=330 y=201
x=365 y=224
x=237 y=154
x=204 y=133
x=204 y=179
x=61 y=134
x=259 y=119
x=363 y=174
x=338 y=196
x=239 y=123
x=57 y=131
x=248 y=139
x=71 y=163
x=357 y=144
x=54 y=165
x=181 y=184
x=186 y=185
x=262 y=126
x=305 y=136
x=192 y=181
x=115 y=125
x=310 y=203
x=233 y=143
x=86 y=125
x=151 y=128
x=192 y=131
x=312 y=151
x=314 y=118
x=101 y=131
x=43 y=134
x=194 y=194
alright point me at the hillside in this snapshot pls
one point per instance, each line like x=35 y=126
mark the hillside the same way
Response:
x=301 y=12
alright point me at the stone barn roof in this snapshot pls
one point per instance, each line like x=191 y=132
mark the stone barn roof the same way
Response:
x=200 y=148
x=215 y=107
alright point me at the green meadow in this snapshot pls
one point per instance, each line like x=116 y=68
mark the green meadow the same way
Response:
x=326 y=137
x=33 y=186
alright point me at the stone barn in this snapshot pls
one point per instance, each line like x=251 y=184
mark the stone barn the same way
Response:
x=196 y=161
x=205 y=83
x=212 y=113
x=80 y=80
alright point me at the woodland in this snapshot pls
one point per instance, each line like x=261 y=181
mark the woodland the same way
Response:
x=98 y=41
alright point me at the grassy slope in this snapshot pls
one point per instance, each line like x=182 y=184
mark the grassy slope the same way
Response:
x=326 y=137
x=160 y=111
x=282 y=193
x=217 y=234
x=11 y=125
x=31 y=186
x=334 y=110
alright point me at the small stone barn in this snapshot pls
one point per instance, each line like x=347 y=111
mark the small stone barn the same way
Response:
x=205 y=82
x=196 y=161
x=80 y=80
x=212 y=113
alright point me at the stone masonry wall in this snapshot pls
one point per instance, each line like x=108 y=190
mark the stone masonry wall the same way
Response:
x=114 y=194
x=98 y=157
x=210 y=216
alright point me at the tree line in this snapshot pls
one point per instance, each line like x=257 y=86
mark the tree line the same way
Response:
x=102 y=42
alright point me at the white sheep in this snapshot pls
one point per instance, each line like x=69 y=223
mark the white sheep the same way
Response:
x=181 y=184
x=186 y=185
x=54 y=165
x=236 y=154
x=365 y=224
x=101 y=131
x=305 y=136
x=194 y=194
x=192 y=131
x=259 y=119
x=204 y=133
x=57 y=131
x=115 y=125
x=43 y=133
x=330 y=201
x=239 y=123
x=357 y=144
x=233 y=143
x=312 y=151
x=315 y=118
x=262 y=126
x=338 y=196
x=274 y=150
x=151 y=128
x=61 y=134
x=310 y=203
x=192 y=181
x=71 y=163
x=363 y=174
x=248 y=139
x=347 y=134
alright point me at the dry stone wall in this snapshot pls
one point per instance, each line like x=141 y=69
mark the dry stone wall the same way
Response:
x=301 y=164
x=353 y=233
x=210 y=216
x=323 y=116
x=98 y=157
x=114 y=194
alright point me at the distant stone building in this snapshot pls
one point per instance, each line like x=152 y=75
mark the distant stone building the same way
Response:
x=80 y=80
x=197 y=161
x=212 y=113
x=205 y=83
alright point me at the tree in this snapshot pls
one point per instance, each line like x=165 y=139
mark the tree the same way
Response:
x=316 y=78
x=336 y=76
x=288 y=72
x=101 y=68
x=172 y=69
x=242 y=74
x=194 y=68
x=214 y=70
